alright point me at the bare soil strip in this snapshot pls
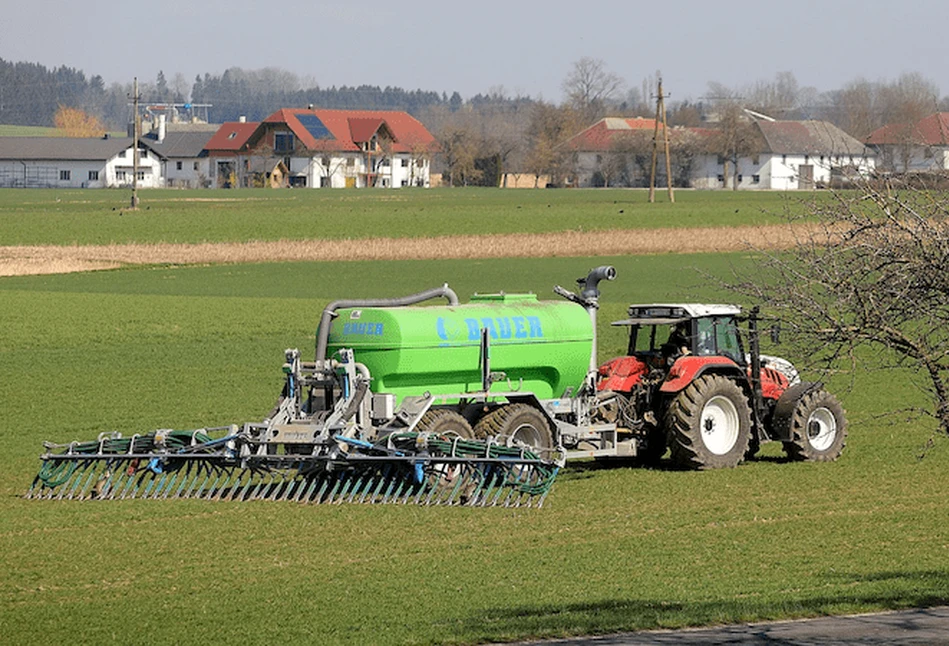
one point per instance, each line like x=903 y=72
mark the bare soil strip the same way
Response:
x=50 y=259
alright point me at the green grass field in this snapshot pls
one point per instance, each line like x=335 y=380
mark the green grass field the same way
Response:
x=98 y=216
x=38 y=131
x=613 y=548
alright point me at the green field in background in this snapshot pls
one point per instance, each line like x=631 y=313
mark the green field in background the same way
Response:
x=612 y=549
x=60 y=217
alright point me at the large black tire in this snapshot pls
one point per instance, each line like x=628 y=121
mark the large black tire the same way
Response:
x=709 y=424
x=818 y=428
x=444 y=421
x=519 y=423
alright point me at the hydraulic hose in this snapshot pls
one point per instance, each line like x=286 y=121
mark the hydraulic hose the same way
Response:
x=323 y=332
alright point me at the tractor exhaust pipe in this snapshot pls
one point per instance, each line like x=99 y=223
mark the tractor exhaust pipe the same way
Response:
x=329 y=313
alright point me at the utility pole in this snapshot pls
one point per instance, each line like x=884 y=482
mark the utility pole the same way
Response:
x=136 y=133
x=660 y=114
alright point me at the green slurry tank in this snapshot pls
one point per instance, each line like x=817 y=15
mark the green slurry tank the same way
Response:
x=540 y=347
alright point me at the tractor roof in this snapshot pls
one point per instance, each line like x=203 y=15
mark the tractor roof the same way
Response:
x=671 y=313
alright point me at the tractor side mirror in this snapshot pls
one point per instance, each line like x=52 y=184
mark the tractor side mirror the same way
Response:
x=775 y=333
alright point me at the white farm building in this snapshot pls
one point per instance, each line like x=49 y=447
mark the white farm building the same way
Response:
x=65 y=162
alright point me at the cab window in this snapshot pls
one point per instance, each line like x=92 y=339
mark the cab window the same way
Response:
x=718 y=336
x=726 y=337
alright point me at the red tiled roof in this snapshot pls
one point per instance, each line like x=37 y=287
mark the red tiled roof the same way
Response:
x=231 y=136
x=363 y=129
x=348 y=128
x=601 y=135
x=930 y=131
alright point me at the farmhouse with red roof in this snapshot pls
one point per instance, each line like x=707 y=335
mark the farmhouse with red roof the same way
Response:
x=602 y=153
x=325 y=148
x=913 y=147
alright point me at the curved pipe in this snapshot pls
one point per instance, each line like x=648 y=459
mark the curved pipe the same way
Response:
x=323 y=333
x=591 y=282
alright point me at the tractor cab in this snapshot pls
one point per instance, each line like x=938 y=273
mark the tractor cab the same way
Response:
x=672 y=343
x=661 y=334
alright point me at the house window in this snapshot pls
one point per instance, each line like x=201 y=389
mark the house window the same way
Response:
x=283 y=142
x=93 y=176
x=755 y=179
x=64 y=175
x=178 y=165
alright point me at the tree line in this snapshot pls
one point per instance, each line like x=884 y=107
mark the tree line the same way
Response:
x=487 y=137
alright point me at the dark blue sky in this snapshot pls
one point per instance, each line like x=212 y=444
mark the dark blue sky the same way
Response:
x=526 y=47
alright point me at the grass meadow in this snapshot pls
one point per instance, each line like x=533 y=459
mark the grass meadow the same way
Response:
x=613 y=548
x=99 y=217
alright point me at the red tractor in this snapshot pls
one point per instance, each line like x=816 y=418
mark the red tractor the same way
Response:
x=689 y=385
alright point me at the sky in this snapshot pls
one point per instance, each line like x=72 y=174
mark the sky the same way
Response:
x=524 y=48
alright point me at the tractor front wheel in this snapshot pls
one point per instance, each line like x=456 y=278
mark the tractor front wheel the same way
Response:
x=709 y=424
x=818 y=428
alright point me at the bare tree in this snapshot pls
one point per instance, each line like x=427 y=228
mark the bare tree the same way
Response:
x=853 y=109
x=589 y=87
x=869 y=285
x=459 y=145
x=736 y=137
x=549 y=127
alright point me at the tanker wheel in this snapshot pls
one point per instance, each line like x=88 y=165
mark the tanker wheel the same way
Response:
x=519 y=423
x=709 y=424
x=818 y=428
x=444 y=421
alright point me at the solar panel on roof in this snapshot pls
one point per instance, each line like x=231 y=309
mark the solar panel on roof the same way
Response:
x=314 y=126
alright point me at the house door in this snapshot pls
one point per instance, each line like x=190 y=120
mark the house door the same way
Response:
x=805 y=174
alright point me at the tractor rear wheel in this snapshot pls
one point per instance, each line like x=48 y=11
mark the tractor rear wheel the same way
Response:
x=519 y=423
x=709 y=424
x=818 y=428
x=444 y=421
